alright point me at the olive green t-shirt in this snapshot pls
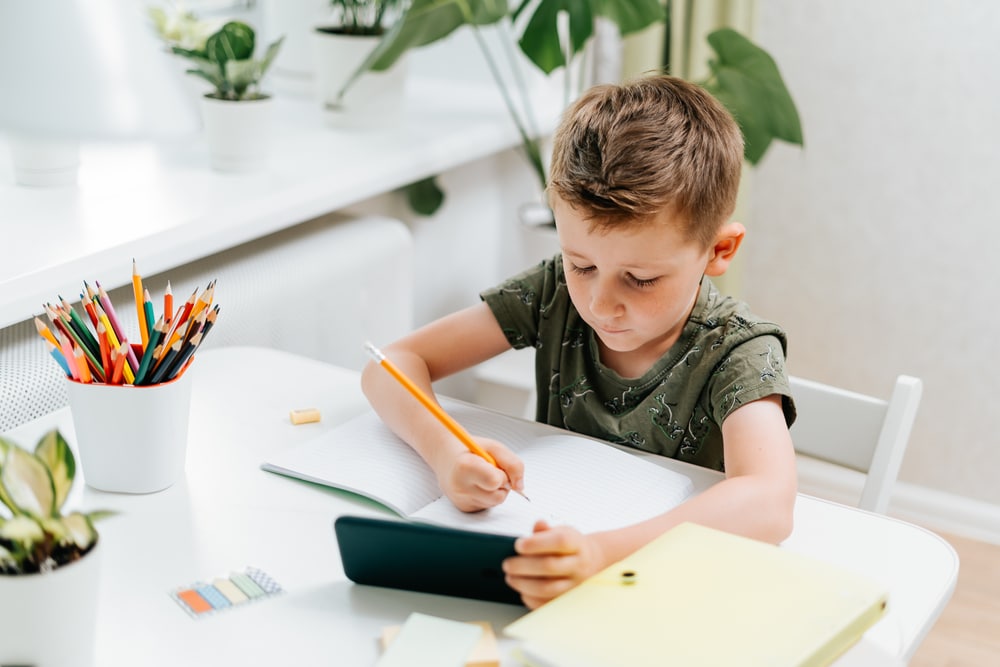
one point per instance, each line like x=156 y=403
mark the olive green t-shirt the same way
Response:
x=725 y=357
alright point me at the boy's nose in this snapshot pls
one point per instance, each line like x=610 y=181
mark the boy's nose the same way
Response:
x=604 y=302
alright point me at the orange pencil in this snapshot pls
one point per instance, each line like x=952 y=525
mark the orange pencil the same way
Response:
x=102 y=338
x=140 y=310
x=44 y=331
x=435 y=409
x=204 y=299
x=119 y=364
x=168 y=304
x=85 y=376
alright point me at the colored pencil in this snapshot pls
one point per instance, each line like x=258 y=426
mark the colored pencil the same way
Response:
x=85 y=376
x=161 y=370
x=186 y=351
x=147 y=356
x=102 y=338
x=44 y=331
x=58 y=356
x=67 y=352
x=147 y=306
x=139 y=308
x=168 y=304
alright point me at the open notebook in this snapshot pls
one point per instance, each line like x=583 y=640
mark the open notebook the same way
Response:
x=571 y=479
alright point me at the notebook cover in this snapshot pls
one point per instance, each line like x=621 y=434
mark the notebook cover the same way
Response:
x=701 y=597
x=425 y=558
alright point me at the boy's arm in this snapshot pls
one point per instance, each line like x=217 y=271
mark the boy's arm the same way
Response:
x=439 y=349
x=756 y=499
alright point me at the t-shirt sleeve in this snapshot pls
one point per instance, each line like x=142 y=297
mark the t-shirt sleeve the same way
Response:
x=753 y=370
x=518 y=302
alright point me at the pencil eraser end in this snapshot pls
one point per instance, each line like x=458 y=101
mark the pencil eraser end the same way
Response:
x=307 y=416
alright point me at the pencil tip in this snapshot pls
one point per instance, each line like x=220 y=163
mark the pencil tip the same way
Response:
x=374 y=352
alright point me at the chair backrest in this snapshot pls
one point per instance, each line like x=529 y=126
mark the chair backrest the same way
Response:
x=858 y=431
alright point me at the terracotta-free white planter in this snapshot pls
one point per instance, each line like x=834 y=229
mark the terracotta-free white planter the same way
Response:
x=374 y=99
x=50 y=619
x=293 y=71
x=238 y=132
x=44 y=162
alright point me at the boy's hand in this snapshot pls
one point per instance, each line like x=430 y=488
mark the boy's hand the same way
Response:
x=474 y=484
x=550 y=562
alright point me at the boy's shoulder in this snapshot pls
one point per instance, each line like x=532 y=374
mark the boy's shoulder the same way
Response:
x=729 y=321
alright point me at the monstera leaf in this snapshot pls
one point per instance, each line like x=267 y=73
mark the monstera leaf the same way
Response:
x=540 y=40
x=746 y=80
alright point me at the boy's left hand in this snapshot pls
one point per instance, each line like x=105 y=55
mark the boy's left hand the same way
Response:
x=551 y=561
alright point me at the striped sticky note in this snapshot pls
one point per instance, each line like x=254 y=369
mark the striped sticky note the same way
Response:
x=238 y=588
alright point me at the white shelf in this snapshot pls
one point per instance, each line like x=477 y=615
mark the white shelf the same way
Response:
x=164 y=206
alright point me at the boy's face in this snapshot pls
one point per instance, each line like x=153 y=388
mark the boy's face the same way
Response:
x=636 y=286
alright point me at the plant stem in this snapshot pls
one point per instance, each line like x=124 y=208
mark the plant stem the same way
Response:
x=530 y=144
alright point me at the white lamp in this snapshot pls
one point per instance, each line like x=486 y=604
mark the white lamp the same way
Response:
x=84 y=69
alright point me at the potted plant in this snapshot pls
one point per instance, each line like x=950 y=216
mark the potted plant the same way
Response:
x=355 y=28
x=49 y=563
x=744 y=77
x=236 y=112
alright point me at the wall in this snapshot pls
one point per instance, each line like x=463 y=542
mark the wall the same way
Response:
x=875 y=245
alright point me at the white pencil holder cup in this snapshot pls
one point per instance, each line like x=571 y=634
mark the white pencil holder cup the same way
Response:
x=131 y=439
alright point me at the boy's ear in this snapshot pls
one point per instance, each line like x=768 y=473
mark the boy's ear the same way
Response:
x=727 y=242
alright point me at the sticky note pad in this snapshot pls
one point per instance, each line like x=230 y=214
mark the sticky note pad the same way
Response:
x=485 y=653
x=429 y=640
x=204 y=599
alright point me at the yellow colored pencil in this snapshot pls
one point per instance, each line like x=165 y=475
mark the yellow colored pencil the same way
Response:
x=140 y=309
x=435 y=409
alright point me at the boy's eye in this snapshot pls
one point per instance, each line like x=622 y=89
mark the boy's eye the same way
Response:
x=642 y=282
x=581 y=269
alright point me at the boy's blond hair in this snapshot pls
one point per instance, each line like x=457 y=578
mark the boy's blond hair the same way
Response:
x=624 y=153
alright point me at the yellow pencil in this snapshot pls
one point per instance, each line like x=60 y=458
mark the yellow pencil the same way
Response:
x=435 y=409
x=140 y=309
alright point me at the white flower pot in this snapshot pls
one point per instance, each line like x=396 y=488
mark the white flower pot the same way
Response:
x=374 y=99
x=238 y=132
x=44 y=162
x=49 y=620
x=293 y=71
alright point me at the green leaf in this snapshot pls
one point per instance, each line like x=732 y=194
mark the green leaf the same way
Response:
x=233 y=41
x=241 y=74
x=631 y=16
x=540 y=40
x=425 y=197
x=28 y=484
x=58 y=458
x=747 y=81
x=270 y=55
x=425 y=22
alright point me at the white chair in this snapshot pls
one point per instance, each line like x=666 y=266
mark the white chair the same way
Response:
x=857 y=431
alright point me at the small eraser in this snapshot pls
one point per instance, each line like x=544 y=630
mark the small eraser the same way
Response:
x=307 y=416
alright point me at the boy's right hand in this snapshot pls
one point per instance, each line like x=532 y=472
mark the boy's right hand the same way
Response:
x=473 y=484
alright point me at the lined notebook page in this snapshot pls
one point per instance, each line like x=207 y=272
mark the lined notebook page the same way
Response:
x=570 y=479
x=363 y=456
x=576 y=481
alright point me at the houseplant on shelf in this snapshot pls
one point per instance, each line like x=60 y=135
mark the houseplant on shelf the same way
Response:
x=49 y=563
x=744 y=77
x=236 y=112
x=340 y=44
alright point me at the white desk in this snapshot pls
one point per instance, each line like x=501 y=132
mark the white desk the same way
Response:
x=227 y=514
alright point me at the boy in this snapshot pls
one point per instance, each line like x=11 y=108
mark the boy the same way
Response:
x=633 y=344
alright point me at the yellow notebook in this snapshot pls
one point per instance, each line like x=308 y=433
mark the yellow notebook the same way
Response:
x=701 y=597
